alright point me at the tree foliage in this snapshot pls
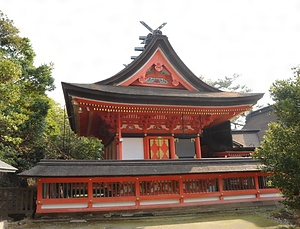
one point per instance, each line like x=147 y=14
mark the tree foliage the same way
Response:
x=229 y=84
x=23 y=100
x=32 y=126
x=62 y=143
x=280 y=149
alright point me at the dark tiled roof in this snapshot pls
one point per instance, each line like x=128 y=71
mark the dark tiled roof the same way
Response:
x=260 y=119
x=247 y=138
x=84 y=168
x=204 y=94
x=153 y=95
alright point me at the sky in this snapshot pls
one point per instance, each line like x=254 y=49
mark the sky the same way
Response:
x=91 y=40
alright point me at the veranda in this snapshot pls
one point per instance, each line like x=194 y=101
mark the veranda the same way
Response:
x=88 y=194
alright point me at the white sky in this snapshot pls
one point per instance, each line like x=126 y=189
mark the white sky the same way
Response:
x=90 y=40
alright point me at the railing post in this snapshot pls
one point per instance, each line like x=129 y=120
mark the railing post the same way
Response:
x=220 y=184
x=39 y=195
x=90 y=193
x=181 y=200
x=256 y=186
x=137 y=192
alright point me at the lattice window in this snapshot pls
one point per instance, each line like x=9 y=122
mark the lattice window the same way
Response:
x=200 y=185
x=159 y=187
x=65 y=190
x=113 y=189
x=265 y=182
x=238 y=183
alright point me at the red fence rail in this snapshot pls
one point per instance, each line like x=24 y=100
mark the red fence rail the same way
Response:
x=123 y=193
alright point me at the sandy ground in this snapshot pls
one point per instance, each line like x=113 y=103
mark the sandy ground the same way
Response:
x=253 y=219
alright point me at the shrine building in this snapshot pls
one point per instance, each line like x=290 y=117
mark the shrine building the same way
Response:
x=167 y=142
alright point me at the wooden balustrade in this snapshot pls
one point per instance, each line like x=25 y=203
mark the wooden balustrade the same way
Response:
x=117 y=193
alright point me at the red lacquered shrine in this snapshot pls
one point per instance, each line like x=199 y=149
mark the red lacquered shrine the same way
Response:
x=167 y=141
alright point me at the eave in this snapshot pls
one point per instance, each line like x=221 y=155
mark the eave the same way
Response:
x=63 y=168
x=89 y=104
x=159 y=96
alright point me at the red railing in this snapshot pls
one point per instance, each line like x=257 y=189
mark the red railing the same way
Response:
x=117 y=193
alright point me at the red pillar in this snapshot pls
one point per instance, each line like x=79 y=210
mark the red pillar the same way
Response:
x=146 y=147
x=172 y=148
x=198 y=147
x=119 y=139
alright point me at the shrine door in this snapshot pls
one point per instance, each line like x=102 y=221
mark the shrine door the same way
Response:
x=159 y=148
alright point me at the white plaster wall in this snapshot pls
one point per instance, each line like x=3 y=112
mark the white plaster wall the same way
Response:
x=133 y=149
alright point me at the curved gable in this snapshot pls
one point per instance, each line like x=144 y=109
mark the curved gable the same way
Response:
x=159 y=66
x=158 y=72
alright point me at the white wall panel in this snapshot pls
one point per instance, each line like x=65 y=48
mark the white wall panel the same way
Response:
x=133 y=149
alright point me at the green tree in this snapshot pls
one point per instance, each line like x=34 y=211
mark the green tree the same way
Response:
x=62 y=143
x=228 y=84
x=32 y=126
x=23 y=100
x=280 y=149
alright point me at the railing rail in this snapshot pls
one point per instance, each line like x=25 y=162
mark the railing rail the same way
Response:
x=117 y=193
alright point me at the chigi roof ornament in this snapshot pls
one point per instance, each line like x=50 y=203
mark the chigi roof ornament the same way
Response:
x=146 y=39
x=156 y=31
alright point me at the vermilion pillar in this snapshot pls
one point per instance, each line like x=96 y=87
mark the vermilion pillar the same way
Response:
x=120 y=139
x=198 y=147
x=172 y=148
x=146 y=148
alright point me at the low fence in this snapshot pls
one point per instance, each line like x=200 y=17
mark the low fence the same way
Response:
x=142 y=192
x=17 y=201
